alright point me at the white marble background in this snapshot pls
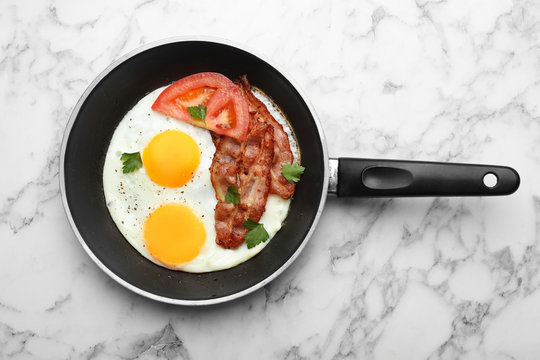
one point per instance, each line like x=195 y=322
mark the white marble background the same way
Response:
x=455 y=80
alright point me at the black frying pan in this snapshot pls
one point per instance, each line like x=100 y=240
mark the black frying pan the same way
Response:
x=122 y=84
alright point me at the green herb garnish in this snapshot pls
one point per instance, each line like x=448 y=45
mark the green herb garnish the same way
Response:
x=256 y=234
x=197 y=112
x=232 y=196
x=132 y=162
x=292 y=172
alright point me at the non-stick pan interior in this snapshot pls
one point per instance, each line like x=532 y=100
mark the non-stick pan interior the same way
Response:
x=92 y=129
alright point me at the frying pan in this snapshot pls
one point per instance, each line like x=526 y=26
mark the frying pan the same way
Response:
x=131 y=77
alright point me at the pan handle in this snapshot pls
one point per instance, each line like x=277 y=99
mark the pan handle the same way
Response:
x=402 y=178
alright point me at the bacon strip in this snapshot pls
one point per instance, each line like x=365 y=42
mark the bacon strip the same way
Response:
x=225 y=165
x=256 y=159
x=223 y=173
x=257 y=156
x=282 y=149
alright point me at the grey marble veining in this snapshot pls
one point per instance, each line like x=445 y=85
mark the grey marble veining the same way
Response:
x=433 y=278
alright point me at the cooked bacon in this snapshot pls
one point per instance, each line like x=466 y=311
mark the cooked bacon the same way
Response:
x=256 y=159
x=224 y=217
x=223 y=173
x=225 y=165
x=215 y=138
x=254 y=166
x=282 y=149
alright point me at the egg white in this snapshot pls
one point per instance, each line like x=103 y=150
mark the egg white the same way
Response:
x=132 y=197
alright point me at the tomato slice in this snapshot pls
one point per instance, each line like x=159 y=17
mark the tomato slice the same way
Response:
x=228 y=113
x=227 y=108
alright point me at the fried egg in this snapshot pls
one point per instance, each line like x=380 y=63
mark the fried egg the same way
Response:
x=165 y=209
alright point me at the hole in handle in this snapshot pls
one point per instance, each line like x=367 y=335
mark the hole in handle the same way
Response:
x=490 y=180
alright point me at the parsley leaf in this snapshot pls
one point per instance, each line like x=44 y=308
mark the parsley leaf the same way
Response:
x=232 y=196
x=197 y=112
x=256 y=234
x=131 y=161
x=250 y=224
x=292 y=172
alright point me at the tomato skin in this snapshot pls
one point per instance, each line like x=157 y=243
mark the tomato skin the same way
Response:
x=227 y=108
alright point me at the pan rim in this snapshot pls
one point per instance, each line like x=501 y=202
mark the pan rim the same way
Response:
x=67 y=132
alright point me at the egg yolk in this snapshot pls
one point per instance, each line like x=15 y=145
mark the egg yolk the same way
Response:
x=173 y=234
x=171 y=158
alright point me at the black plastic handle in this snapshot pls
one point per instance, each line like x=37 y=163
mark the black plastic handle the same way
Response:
x=400 y=178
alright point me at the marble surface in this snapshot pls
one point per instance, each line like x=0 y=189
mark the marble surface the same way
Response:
x=429 y=278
